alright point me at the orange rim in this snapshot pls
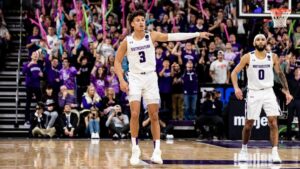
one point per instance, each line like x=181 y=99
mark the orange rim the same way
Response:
x=279 y=11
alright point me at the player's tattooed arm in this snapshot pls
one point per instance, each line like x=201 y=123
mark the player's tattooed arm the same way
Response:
x=283 y=80
x=280 y=74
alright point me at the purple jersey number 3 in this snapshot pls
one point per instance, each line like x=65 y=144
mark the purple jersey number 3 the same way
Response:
x=142 y=57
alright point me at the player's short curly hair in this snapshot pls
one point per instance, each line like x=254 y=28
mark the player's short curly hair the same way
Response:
x=136 y=13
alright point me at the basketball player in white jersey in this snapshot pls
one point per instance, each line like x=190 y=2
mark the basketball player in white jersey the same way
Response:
x=142 y=77
x=260 y=65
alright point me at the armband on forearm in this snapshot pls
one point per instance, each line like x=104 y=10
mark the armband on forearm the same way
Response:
x=182 y=36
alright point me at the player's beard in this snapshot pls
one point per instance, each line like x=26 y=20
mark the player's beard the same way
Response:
x=260 y=48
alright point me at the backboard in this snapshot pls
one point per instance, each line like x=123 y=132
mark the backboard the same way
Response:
x=261 y=8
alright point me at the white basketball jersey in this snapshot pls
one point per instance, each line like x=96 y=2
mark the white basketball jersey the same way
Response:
x=141 y=54
x=260 y=72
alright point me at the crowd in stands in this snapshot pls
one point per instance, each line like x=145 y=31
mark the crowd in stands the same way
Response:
x=70 y=72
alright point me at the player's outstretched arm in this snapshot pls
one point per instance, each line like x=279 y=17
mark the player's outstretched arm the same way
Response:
x=282 y=78
x=244 y=61
x=118 y=65
x=163 y=37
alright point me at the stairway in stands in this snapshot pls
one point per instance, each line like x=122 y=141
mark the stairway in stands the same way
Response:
x=8 y=86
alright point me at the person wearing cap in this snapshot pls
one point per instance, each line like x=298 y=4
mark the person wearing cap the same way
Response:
x=38 y=121
x=50 y=95
x=211 y=115
x=51 y=118
x=219 y=69
x=117 y=122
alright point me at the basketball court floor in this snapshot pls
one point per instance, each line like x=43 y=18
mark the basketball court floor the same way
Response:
x=86 y=153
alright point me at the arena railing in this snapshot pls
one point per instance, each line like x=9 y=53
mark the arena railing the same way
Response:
x=19 y=66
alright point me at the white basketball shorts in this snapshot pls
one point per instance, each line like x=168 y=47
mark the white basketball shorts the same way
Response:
x=143 y=85
x=261 y=99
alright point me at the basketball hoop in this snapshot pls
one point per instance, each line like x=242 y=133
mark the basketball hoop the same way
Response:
x=279 y=16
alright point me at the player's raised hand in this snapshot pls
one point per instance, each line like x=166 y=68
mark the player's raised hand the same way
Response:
x=205 y=35
x=238 y=93
x=124 y=86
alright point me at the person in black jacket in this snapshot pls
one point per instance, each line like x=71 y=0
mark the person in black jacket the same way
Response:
x=294 y=87
x=38 y=121
x=69 y=122
x=211 y=115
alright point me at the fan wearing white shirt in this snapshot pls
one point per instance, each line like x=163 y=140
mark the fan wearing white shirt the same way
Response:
x=219 y=70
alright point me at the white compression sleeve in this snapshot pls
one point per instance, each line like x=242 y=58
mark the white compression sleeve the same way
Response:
x=182 y=36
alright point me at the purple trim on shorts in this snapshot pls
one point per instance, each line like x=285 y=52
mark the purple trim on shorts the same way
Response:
x=214 y=162
x=254 y=144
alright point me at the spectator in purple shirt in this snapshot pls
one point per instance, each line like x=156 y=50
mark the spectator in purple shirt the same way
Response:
x=165 y=87
x=190 y=89
x=66 y=98
x=189 y=54
x=33 y=73
x=71 y=39
x=113 y=81
x=33 y=41
x=98 y=79
x=159 y=57
x=236 y=47
x=68 y=75
x=52 y=74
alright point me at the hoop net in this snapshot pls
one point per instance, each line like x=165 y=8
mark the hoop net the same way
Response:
x=279 y=16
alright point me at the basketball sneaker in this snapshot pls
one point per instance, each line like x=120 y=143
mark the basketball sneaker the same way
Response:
x=275 y=157
x=135 y=156
x=156 y=156
x=243 y=156
x=93 y=135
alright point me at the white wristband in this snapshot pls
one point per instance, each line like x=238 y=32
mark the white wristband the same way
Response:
x=182 y=36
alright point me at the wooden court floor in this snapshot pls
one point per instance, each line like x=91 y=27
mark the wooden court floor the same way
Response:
x=84 y=153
